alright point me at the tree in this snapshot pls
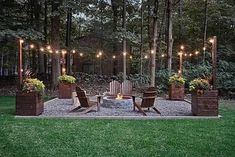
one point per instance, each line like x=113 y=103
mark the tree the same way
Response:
x=55 y=41
x=115 y=21
x=169 y=35
x=155 y=40
x=124 y=39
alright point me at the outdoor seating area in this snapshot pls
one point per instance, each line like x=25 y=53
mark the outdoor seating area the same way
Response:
x=62 y=108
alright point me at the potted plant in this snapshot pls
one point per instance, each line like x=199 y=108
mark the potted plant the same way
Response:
x=66 y=86
x=29 y=101
x=204 y=100
x=176 y=90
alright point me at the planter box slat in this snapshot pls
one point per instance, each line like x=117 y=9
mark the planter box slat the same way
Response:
x=29 y=104
x=66 y=90
x=176 y=92
x=205 y=104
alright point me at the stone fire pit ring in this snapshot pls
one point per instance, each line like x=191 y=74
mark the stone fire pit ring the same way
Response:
x=111 y=102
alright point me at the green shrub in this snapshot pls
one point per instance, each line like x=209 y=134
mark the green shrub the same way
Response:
x=199 y=84
x=66 y=79
x=161 y=80
x=31 y=85
x=176 y=79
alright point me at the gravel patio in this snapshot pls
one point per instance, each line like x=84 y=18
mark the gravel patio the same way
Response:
x=62 y=107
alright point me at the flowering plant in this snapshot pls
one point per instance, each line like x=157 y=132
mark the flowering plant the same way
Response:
x=31 y=85
x=67 y=79
x=199 y=84
x=176 y=79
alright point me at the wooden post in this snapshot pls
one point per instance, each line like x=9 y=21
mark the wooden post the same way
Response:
x=214 y=61
x=63 y=62
x=181 y=53
x=153 y=66
x=20 y=79
x=181 y=64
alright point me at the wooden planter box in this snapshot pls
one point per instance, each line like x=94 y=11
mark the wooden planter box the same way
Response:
x=66 y=90
x=176 y=92
x=205 y=103
x=29 y=104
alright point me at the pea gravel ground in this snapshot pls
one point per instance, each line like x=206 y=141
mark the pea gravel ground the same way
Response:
x=62 y=107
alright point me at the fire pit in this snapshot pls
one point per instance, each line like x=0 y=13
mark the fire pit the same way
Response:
x=119 y=102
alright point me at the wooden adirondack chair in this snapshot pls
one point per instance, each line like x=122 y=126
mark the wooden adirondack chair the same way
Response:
x=126 y=88
x=148 y=100
x=85 y=102
x=114 y=87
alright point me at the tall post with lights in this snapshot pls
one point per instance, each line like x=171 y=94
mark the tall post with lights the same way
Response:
x=20 y=80
x=181 y=60
x=213 y=41
x=124 y=65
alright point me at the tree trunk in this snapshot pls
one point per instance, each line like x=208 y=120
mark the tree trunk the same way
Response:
x=45 y=37
x=37 y=10
x=55 y=40
x=170 y=39
x=124 y=39
x=141 y=38
x=149 y=26
x=205 y=29
x=180 y=21
x=115 y=18
x=1 y=67
x=155 y=40
x=68 y=38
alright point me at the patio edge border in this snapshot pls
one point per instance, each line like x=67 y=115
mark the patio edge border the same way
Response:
x=122 y=117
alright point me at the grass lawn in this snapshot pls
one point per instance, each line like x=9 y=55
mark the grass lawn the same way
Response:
x=73 y=137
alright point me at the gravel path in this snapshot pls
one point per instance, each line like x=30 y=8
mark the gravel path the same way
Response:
x=61 y=107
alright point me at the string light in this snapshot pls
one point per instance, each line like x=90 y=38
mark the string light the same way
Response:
x=152 y=51
x=56 y=51
x=31 y=46
x=146 y=57
x=124 y=53
x=190 y=54
x=196 y=52
x=73 y=51
x=204 y=48
x=97 y=56
x=63 y=52
x=182 y=47
x=21 y=41
x=81 y=54
x=48 y=47
x=100 y=53
x=130 y=57
x=211 y=41
x=42 y=49
x=163 y=55
x=50 y=51
x=63 y=70
x=185 y=54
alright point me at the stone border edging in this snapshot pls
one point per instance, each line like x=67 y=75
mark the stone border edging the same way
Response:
x=123 y=117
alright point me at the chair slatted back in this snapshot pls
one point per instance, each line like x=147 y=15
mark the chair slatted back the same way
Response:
x=149 y=97
x=126 y=88
x=84 y=101
x=114 y=87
